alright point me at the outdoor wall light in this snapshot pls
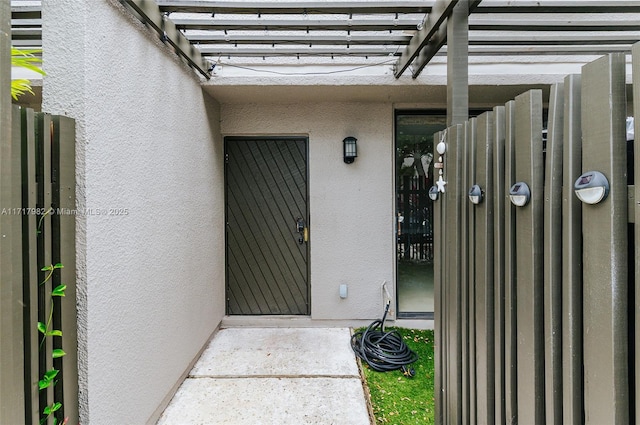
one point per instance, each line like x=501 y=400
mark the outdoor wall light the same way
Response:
x=434 y=193
x=475 y=194
x=591 y=187
x=520 y=194
x=350 y=150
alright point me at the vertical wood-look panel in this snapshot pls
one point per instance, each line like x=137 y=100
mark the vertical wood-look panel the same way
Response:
x=454 y=198
x=472 y=131
x=529 y=168
x=484 y=295
x=44 y=200
x=510 y=299
x=553 y=257
x=605 y=244
x=63 y=169
x=572 y=388
x=439 y=360
x=464 y=276
x=30 y=265
x=499 y=205
x=11 y=378
x=636 y=108
x=11 y=300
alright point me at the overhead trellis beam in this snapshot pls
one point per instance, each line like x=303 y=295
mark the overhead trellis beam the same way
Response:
x=558 y=6
x=361 y=51
x=296 y=24
x=529 y=25
x=544 y=50
x=440 y=12
x=300 y=39
x=304 y=7
x=149 y=13
x=551 y=40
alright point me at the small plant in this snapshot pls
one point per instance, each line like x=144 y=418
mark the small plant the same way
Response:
x=46 y=329
x=24 y=59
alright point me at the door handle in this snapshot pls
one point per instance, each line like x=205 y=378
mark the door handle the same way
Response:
x=302 y=229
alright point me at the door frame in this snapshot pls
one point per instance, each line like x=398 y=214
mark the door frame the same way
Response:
x=232 y=138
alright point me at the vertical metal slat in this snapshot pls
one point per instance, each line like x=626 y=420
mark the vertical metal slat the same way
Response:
x=553 y=257
x=438 y=234
x=454 y=198
x=529 y=256
x=605 y=244
x=483 y=248
x=636 y=107
x=572 y=367
x=30 y=266
x=64 y=252
x=510 y=300
x=499 y=206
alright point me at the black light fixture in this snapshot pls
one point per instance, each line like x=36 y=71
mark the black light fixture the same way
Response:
x=475 y=194
x=591 y=187
x=350 y=149
x=520 y=194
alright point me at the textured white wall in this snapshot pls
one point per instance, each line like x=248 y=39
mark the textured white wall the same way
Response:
x=351 y=206
x=151 y=281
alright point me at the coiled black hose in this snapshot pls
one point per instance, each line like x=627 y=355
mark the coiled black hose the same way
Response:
x=382 y=351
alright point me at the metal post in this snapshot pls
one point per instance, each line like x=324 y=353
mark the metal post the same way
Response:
x=438 y=233
x=470 y=175
x=458 y=64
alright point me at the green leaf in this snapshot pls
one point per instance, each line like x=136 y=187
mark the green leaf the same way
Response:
x=51 y=409
x=42 y=328
x=57 y=352
x=50 y=374
x=47 y=379
x=46 y=268
x=54 y=332
x=42 y=384
x=58 y=266
x=59 y=291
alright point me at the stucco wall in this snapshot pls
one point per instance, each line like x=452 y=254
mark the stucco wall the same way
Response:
x=150 y=281
x=351 y=206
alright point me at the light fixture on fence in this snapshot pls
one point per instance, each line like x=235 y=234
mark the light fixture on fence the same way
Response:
x=520 y=194
x=591 y=187
x=350 y=149
x=434 y=193
x=475 y=194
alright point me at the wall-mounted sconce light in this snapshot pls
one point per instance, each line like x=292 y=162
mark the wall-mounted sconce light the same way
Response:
x=520 y=194
x=434 y=193
x=350 y=149
x=591 y=187
x=475 y=194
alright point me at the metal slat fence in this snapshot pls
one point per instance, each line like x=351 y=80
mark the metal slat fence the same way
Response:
x=537 y=304
x=38 y=210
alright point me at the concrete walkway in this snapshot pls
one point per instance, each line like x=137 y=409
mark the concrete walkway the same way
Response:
x=272 y=376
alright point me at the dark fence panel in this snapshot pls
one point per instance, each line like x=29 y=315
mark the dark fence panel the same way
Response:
x=540 y=300
x=37 y=210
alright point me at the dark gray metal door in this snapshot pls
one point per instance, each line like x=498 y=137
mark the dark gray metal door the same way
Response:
x=267 y=233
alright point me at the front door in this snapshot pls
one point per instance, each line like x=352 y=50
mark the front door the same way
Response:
x=267 y=219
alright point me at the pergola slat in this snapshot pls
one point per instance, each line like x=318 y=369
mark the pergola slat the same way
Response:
x=295 y=24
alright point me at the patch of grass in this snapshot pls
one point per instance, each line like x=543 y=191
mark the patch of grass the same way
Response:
x=401 y=400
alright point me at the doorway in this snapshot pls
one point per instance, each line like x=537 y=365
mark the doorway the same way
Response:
x=267 y=226
x=414 y=210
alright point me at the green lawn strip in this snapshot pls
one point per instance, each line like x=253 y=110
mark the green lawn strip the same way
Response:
x=397 y=399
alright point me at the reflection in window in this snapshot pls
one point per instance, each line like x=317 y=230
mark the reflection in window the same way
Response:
x=414 y=211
